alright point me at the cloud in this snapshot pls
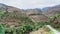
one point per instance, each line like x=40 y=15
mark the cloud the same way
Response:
x=30 y=3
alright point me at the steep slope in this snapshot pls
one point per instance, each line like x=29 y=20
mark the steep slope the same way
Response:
x=11 y=15
x=52 y=11
x=3 y=7
x=36 y=15
x=9 y=8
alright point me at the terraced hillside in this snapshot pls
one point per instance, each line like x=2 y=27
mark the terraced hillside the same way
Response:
x=19 y=21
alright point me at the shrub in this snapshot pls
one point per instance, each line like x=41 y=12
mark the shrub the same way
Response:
x=2 y=13
x=54 y=21
x=2 y=30
x=25 y=29
x=40 y=25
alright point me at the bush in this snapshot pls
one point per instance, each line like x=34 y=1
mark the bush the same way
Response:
x=2 y=30
x=2 y=13
x=25 y=29
x=40 y=25
x=54 y=21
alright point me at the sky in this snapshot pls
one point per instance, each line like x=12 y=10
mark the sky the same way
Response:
x=28 y=4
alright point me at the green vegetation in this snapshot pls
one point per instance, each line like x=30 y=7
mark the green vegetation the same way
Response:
x=2 y=30
x=26 y=28
x=26 y=25
x=39 y=25
x=54 y=21
x=2 y=13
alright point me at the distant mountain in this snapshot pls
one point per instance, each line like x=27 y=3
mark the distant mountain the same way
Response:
x=36 y=13
x=51 y=11
x=3 y=7
x=11 y=9
x=46 y=8
x=33 y=11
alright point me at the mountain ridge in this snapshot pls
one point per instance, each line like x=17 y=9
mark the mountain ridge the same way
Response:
x=35 y=13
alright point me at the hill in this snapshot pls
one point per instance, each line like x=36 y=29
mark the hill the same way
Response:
x=15 y=20
x=51 y=11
